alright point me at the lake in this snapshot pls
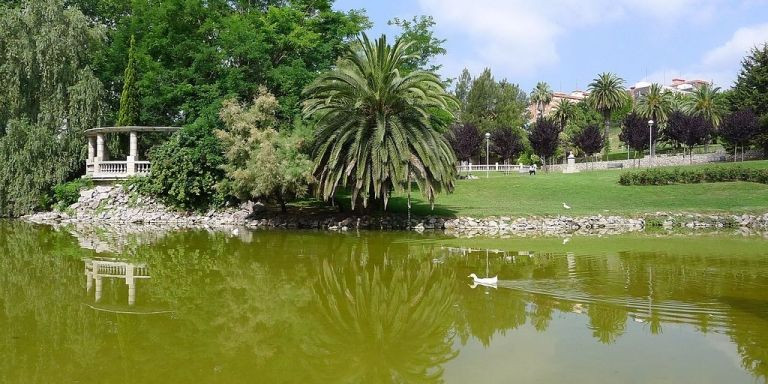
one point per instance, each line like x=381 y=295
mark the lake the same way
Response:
x=379 y=307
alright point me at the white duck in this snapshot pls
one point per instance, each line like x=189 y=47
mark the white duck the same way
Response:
x=484 y=281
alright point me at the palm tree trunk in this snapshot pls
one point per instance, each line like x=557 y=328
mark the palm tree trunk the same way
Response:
x=607 y=132
x=408 y=178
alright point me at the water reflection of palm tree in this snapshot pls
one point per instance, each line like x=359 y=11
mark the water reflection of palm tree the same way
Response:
x=383 y=324
x=607 y=321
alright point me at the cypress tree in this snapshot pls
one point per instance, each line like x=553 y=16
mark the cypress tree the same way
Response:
x=129 y=98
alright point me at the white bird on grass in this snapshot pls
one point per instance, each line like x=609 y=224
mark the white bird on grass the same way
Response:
x=484 y=281
x=566 y=206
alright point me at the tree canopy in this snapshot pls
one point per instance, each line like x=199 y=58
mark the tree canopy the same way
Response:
x=424 y=45
x=589 y=140
x=262 y=163
x=465 y=140
x=544 y=137
x=375 y=126
x=49 y=97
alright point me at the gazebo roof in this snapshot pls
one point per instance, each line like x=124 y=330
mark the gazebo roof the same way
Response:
x=95 y=131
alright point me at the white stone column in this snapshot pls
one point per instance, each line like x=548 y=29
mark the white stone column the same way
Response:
x=100 y=154
x=98 y=288
x=100 y=151
x=91 y=148
x=130 y=281
x=133 y=155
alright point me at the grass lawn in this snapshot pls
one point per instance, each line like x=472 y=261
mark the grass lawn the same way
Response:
x=594 y=192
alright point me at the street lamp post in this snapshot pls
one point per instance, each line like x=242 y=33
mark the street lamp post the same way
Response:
x=650 y=143
x=487 y=153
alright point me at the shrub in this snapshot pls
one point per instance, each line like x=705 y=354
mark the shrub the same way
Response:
x=66 y=194
x=664 y=176
x=186 y=168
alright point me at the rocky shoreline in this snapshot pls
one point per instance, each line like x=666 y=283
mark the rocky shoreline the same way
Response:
x=105 y=205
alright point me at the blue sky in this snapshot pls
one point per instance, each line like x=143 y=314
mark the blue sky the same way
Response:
x=567 y=42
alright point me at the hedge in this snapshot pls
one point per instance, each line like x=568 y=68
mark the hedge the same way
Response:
x=665 y=176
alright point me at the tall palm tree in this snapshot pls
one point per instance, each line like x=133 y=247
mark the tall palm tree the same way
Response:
x=377 y=128
x=706 y=101
x=541 y=95
x=607 y=94
x=656 y=105
x=564 y=112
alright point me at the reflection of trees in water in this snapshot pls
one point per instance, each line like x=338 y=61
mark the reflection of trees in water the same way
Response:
x=382 y=324
x=607 y=322
x=247 y=310
x=48 y=334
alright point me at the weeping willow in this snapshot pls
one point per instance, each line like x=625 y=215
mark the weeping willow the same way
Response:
x=376 y=125
x=49 y=96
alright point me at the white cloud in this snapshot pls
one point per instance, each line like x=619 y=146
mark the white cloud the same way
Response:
x=719 y=65
x=737 y=47
x=517 y=37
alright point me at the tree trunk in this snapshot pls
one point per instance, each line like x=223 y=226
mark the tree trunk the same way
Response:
x=283 y=207
x=408 y=178
x=607 y=144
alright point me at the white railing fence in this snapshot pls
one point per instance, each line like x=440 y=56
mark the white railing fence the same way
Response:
x=117 y=169
x=469 y=168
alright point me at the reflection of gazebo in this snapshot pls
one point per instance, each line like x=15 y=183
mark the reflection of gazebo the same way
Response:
x=96 y=270
x=98 y=165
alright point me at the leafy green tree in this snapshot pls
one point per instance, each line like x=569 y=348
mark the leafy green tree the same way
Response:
x=186 y=168
x=708 y=103
x=511 y=105
x=129 y=99
x=481 y=101
x=607 y=94
x=751 y=87
x=261 y=163
x=491 y=104
x=751 y=90
x=377 y=127
x=424 y=45
x=49 y=97
x=541 y=96
x=461 y=91
x=191 y=55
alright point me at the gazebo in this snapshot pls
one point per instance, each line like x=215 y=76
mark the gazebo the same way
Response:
x=99 y=167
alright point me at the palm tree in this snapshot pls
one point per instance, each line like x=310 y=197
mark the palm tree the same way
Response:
x=541 y=95
x=376 y=128
x=655 y=105
x=706 y=101
x=607 y=94
x=564 y=111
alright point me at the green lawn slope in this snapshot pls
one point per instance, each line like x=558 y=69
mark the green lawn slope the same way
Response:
x=588 y=193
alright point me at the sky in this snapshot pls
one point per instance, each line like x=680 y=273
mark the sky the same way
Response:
x=568 y=42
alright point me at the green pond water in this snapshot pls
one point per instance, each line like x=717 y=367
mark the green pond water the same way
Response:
x=311 y=307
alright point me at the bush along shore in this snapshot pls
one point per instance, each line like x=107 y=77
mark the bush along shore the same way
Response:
x=107 y=205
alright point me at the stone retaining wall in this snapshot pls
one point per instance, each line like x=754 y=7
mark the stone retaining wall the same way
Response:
x=107 y=205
